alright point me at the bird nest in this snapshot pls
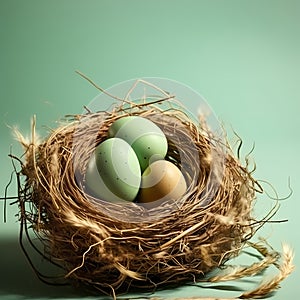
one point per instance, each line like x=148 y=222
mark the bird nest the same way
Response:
x=115 y=247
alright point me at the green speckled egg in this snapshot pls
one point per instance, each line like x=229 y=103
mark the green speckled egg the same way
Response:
x=145 y=137
x=119 y=170
x=95 y=185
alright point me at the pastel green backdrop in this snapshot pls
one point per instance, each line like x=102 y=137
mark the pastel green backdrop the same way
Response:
x=242 y=56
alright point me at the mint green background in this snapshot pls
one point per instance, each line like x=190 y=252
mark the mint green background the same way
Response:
x=242 y=56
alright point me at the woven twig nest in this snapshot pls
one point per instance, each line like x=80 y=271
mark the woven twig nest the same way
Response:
x=113 y=247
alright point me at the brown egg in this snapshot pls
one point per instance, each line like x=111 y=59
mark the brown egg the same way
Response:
x=162 y=180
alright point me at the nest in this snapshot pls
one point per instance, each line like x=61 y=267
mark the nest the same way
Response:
x=115 y=247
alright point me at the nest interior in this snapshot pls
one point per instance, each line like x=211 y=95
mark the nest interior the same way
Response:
x=115 y=247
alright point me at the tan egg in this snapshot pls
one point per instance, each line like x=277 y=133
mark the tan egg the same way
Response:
x=162 y=180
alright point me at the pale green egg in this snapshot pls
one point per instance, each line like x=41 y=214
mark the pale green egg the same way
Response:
x=145 y=137
x=95 y=185
x=118 y=169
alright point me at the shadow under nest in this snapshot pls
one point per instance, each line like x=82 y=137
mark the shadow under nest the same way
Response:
x=116 y=247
